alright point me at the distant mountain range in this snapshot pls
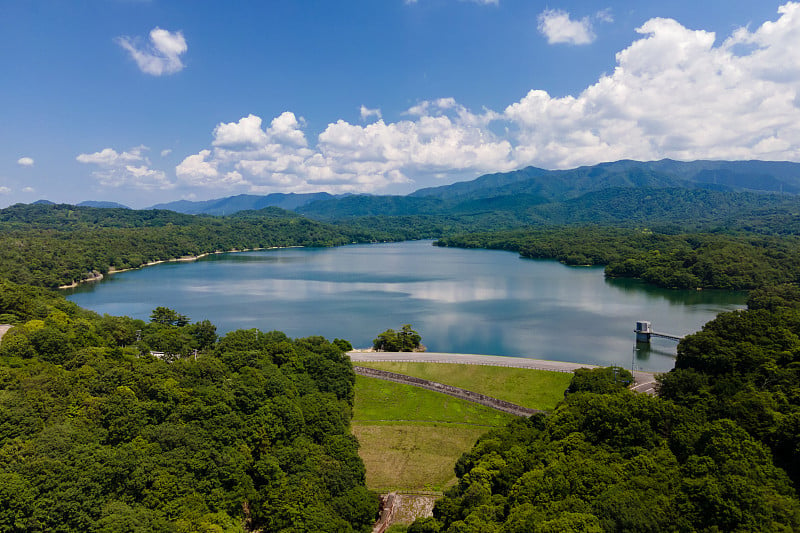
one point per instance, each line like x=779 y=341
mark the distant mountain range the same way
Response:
x=88 y=203
x=556 y=185
x=538 y=192
x=243 y=202
x=534 y=194
x=106 y=205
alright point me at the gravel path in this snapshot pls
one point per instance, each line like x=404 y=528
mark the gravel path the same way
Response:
x=4 y=328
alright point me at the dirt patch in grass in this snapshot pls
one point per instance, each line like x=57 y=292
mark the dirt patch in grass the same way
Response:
x=413 y=457
x=410 y=438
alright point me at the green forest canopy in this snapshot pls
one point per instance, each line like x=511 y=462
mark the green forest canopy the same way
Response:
x=98 y=435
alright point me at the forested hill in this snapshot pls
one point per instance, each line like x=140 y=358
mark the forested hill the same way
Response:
x=763 y=176
x=689 y=209
x=52 y=245
x=251 y=433
x=71 y=217
x=672 y=260
x=700 y=193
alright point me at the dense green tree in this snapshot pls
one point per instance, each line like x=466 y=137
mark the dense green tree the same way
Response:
x=168 y=317
x=405 y=340
x=600 y=380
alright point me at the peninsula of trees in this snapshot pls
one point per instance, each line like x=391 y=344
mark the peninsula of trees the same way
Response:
x=732 y=261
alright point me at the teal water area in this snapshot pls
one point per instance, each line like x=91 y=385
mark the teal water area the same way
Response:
x=462 y=301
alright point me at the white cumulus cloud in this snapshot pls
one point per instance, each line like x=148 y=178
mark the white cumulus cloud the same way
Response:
x=367 y=113
x=25 y=161
x=162 y=55
x=675 y=92
x=5 y=190
x=444 y=137
x=196 y=170
x=129 y=168
x=558 y=27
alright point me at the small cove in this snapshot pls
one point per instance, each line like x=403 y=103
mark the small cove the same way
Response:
x=463 y=301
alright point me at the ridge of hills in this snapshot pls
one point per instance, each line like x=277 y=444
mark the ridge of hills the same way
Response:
x=665 y=191
x=761 y=176
x=522 y=188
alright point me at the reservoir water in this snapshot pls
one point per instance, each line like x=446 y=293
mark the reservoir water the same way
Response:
x=462 y=301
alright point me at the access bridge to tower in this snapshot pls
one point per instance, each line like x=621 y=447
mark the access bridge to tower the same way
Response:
x=644 y=332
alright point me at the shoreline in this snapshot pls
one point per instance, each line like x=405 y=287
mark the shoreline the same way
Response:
x=98 y=276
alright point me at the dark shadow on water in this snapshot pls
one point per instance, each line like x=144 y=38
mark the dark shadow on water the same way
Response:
x=679 y=296
x=645 y=350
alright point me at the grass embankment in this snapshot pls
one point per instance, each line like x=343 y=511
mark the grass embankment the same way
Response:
x=411 y=437
x=536 y=389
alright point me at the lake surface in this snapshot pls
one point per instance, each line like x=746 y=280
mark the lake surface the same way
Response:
x=463 y=301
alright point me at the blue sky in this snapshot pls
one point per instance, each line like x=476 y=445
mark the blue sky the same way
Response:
x=142 y=102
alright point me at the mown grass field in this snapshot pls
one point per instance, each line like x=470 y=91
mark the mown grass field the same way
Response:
x=536 y=389
x=411 y=437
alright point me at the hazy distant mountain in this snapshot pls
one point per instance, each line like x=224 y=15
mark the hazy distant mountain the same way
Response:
x=365 y=205
x=621 y=190
x=520 y=191
x=483 y=187
x=43 y=202
x=242 y=202
x=103 y=205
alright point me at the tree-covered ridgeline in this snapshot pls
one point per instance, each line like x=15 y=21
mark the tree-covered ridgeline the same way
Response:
x=693 y=209
x=672 y=260
x=249 y=433
x=53 y=245
x=717 y=450
x=745 y=366
x=616 y=462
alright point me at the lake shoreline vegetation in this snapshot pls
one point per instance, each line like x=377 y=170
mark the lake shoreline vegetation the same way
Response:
x=57 y=245
x=251 y=431
x=669 y=260
x=99 y=276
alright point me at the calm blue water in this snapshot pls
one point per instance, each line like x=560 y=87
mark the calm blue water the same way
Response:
x=467 y=301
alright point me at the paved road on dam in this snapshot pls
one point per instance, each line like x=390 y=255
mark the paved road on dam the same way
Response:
x=644 y=381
